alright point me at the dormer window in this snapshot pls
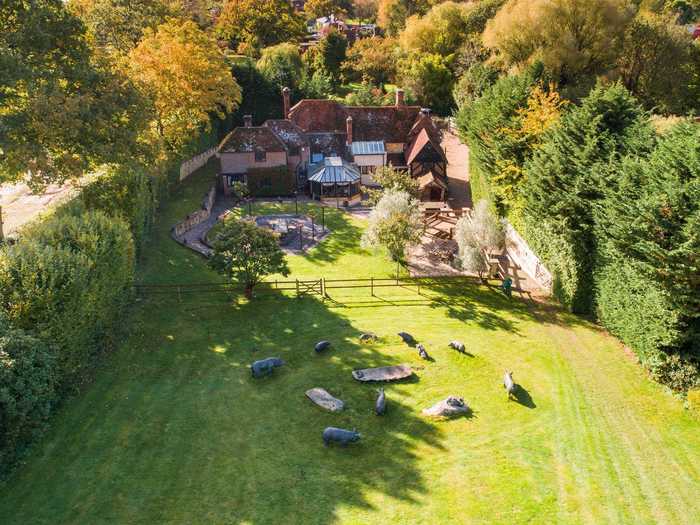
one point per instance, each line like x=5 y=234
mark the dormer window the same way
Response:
x=260 y=155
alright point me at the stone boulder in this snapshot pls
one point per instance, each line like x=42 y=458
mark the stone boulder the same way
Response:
x=383 y=373
x=323 y=399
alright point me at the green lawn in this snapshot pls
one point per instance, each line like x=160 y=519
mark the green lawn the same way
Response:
x=174 y=430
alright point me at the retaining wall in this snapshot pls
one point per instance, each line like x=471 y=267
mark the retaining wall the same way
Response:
x=196 y=162
x=521 y=254
x=197 y=216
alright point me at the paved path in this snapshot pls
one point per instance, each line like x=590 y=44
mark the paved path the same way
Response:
x=193 y=237
x=457 y=171
x=20 y=205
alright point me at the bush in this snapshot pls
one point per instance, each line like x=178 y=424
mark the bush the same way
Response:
x=126 y=192
x=27 y=389
x=270 y=182
x=678 y=372
x=67 y=280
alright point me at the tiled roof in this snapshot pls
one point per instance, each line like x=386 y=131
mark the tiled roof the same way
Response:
x=370 y=123
x=242 y=140
x=328 y=144
x=429 y=179
x=387 y=123
x=367 y=148
x=420 y=142
x=334 y=170
x=291 y=134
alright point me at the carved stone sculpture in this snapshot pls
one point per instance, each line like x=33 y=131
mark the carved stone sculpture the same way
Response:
x=422 y=352
x=457 y=345
x=407 y=338
x=383 y=373
x=321 y=346
x=323 y=399
x=380 y=404
x=264 y=367
x=368 y=337
x=340 y=435
x=450 y=407
x=508 y=384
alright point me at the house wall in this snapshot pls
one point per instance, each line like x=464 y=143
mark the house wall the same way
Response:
x=369 y=160
x=241 y=162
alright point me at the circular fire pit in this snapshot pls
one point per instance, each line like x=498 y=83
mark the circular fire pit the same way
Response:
x=297 y=233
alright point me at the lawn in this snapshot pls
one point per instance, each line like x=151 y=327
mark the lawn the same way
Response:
x=174 y=430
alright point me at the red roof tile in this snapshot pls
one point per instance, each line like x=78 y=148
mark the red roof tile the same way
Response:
x=421 y=142
x=242 y=140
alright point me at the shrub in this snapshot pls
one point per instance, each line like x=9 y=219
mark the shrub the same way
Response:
x=126 y=192
x=27 y=389
x=68 y=280
x=678 y=372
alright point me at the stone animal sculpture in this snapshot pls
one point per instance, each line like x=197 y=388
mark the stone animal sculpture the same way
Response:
x=321 y=346
x=264 y=367
x=458 y=346
x=508 y=384
x=368 y=337
x=407 y=338
x=380 y=404
x=451 y=407
x=340 y=435
x=422 y=352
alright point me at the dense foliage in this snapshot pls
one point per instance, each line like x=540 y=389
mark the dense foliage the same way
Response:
x=270 y=182
x=610 y=208
x=27 y=388
x=247 y=253
x=395 y=223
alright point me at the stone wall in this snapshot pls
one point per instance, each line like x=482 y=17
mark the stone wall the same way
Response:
x=197 y=216
x=196 y=162
x=522 y=255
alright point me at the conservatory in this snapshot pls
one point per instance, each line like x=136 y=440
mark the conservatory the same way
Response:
x=335 y=182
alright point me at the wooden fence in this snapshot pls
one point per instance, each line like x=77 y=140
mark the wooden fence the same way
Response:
x=303 y=287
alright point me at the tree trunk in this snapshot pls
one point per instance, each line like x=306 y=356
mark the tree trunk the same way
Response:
x=248 y=291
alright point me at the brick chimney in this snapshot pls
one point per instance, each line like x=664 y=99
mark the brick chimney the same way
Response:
x=286 y=93
x=348 y=130
x=248 y=121
x=399 y=98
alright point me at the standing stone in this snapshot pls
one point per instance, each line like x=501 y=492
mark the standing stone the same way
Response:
x=323 y=399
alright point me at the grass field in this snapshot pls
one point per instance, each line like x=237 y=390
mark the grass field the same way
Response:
x=174 y=430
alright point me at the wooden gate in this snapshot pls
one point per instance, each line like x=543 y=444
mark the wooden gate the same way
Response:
x=312 y=287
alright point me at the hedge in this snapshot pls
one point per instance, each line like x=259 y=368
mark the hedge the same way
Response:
x=270 y=182
x=126 y=192
x=27 y=389
x=68 y=280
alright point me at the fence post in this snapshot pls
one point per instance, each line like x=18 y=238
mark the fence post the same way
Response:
x=371 y=285
x=323 y=288
x=298 y=294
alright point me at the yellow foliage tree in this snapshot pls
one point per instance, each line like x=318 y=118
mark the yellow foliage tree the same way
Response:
x=573 y=38
x=185 y=75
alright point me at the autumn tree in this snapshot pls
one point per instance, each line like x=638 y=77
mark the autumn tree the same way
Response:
x=472 y=84
x=365 y=10
x=575 y=39
x=660 y=65
x=441 y=31
x=258 y=23
x=119 y=24
x=477 y=235
x=368 y=94
x=392 y=14
x=373 y=59
x=281 y=65
x=64 y=110
x=181 y=69
x=247 y=253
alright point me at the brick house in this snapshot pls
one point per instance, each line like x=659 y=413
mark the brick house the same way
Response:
x=368 y=137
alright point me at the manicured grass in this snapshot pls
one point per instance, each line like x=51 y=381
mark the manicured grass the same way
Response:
x=174 y=430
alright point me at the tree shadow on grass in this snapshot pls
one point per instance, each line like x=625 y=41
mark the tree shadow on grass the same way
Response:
x=278 y=470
